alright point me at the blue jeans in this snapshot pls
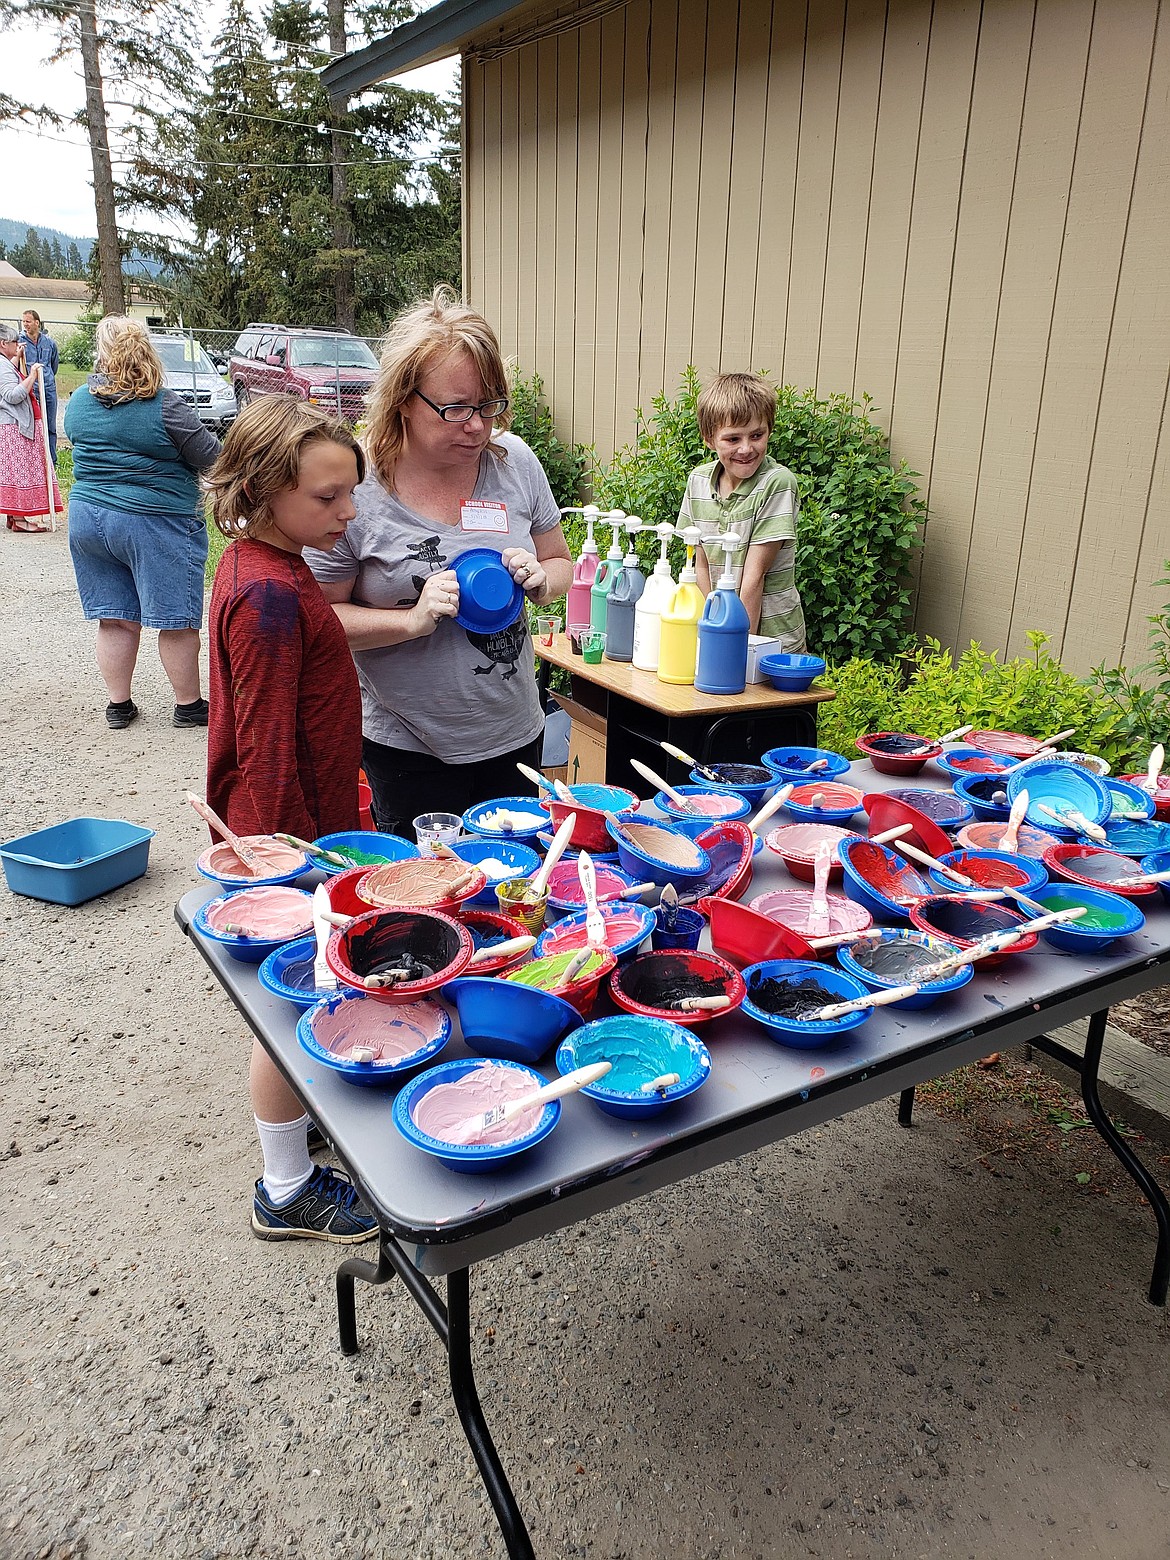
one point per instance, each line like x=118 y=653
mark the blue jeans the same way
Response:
x=144 y=569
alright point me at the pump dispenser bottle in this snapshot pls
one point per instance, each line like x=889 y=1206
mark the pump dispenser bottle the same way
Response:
x=679 y=645
x=723 y=632
x=647 y=614
x=584 y=570
x=607 y=573
x=623 y=600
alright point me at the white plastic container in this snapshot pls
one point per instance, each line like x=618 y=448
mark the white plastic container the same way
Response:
x=759 y=645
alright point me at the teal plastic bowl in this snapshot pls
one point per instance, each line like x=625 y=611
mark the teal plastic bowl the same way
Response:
x=68 y=863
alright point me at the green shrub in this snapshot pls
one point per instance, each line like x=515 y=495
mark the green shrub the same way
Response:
x=1140 y=699
x=77 y=349
x=565 y=465
x=860 y=515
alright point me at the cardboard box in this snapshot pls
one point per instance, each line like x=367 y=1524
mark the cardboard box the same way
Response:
x=759 y=645
x=586 y=743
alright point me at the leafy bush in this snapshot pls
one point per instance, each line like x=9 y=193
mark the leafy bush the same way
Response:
x=565 y=465
x=1140 y=699
x=860 y=515
x=931 y=693
x=77 y=349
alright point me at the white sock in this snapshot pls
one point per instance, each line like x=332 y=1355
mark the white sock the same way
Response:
x=287 y=1165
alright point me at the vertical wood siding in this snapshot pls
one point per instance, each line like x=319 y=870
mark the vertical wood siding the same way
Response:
x=958 y=207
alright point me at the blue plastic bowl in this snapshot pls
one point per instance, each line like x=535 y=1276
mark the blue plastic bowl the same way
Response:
x=510 y=851
x=424 y=1025
x=473 y=817
x=569 y=931
x=1158 y=861
x=740 y=810
x=490 y=600
x=752 y=792
x=645 y=868
x=248 y=950
x=392 y=846
x=946 y=808
x=604 y=798
x=276 y=880
x=800 y=812
x=640 y=1049
x=791 y=763
x=469 y=1158
x=503 y=1018
x=1059 y=785
x=947 y=762
x=1075 y=936
x=864 y=893
x=68 y=863
x=791 y=673
x=977 y=790
x=798 y=1033
x=1130 y=799
x=1137 y=839
x=288 y=972
x=1036 y=874
x=931 y=990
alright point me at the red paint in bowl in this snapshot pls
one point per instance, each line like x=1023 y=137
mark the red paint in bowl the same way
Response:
x=647 y=984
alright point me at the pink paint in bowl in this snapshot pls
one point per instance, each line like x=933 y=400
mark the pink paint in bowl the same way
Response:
x=798 y=843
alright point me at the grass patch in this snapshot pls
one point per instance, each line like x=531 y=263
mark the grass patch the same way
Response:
x=216 y=546
x=70 y=379
x=64 y=471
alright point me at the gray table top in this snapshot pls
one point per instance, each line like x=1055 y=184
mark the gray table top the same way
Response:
x=758 y=1092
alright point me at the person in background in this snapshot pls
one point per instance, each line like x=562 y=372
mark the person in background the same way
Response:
x=137 y=533
x=447 y=712
x=24 y=492
x=744 y=490
x=39 y=347
x=285 y=739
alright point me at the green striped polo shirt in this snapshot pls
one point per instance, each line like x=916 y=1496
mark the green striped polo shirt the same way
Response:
x=762 y=509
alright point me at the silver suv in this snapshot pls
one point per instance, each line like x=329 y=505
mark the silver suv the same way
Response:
x=192 y=375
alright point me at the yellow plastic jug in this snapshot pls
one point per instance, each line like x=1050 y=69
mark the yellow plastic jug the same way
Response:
x=678 y=645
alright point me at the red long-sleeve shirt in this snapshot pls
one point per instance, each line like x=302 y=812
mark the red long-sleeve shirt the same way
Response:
x=285 y=732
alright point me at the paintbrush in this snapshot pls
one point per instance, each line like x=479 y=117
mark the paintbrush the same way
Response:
x=685 y=758
x=538 y=886
x=683 y=803
x=859 y=1004
x=661 y=1084
x=1060 y=736
x=1010 y=838
x=996 y=942
x=702 y=1004
x=333 y=857
x=820 y=921
x=668 y=902
x=594 y=920
x=635 y=891
x=323 y=977
x=772 y=805
x=575 y=969
x=503 y=950
x=953 y=875
x=243 y=850
x=580 y=1078
x=1140 y=880
x=538 y=780
x=1071 y=818
x=1154 y=769
x=950 y=736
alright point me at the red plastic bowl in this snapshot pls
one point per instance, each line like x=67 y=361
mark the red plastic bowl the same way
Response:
x=356 y=949
x=797 y=844
x=493 y=922
x=744 y=936
x=1070 y=861
x=934 y=914
x=651 y=967
x=889 y=812
x=343 y=894
x=719 y=842
x=1161 y=793
x=589 y=832
x=582 y=994
x=896 y=763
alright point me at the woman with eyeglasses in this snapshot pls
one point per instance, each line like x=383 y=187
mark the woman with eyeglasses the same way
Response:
x=446 y=712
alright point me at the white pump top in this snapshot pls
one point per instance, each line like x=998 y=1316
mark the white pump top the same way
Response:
x=729 y=542
x=633 y=525
x=592 y=514
x=616 y=519
x=664 y=532
x=692 y=536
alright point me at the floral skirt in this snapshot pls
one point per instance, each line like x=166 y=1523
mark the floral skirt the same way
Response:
x=22 y=474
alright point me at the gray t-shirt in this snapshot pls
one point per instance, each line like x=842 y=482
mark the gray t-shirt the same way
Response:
x=458 y=695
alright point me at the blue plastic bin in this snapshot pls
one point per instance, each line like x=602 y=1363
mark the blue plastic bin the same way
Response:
x=68 y=863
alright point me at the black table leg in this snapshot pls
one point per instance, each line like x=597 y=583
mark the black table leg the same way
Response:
x=452 y=1322
x=906 y=1108
x=1088 y=1067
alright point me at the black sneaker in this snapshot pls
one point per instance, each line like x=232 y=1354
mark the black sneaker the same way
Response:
x=316 y=1139
x=326 y=1208
x=119 y=716
x=194 y=714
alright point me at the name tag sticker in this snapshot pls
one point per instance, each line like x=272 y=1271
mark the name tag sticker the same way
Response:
x=480 y=514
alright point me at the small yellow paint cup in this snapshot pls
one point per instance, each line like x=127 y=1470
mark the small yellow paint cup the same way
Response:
x=512 y=898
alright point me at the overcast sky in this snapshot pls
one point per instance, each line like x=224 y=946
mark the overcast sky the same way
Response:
x=47 y=178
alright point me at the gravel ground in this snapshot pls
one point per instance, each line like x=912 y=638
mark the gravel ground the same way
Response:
x=858 y=1341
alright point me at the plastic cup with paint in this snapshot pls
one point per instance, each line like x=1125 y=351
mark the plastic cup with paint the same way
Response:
x=576 y=632
x=547 y=629
x=435 y=829
x=592 y=646
x=514 y=898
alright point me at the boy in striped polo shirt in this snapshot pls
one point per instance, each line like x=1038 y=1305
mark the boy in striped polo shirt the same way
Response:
x=744 y=490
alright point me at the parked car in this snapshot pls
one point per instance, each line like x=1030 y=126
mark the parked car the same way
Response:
x=192 y=375
x=329 y=368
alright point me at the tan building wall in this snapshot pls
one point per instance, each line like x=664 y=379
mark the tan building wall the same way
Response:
x=59 y=308
x=960 y=208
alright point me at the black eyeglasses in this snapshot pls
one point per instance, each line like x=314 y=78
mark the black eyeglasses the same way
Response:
x=462 y=411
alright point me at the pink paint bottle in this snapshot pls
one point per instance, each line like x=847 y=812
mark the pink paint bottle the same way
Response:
x=579 y=605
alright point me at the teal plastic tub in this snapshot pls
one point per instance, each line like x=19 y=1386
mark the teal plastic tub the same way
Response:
x=68 y=863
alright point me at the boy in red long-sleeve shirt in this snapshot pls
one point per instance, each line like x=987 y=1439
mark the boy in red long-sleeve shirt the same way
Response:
x=284 y=736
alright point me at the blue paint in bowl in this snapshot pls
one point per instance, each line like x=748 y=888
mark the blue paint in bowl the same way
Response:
x=507 y=1020
x=288 y=972
x=1126 y=799
x=1137 y=839
x=753 y=792
x=977 y=791
x=803 y=1034
x=417 y=1032
x=792 y=763
x=1058 y=786
x=391 y=847
x=469 y=1158
x=1110 y=916
x=513 y=853
x=852 y=962
x=1158 y=861
x=523 y=806
x=605 y=798
x=640 y=1050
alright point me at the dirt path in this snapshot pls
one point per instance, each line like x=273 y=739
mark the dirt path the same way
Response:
x=864 y=1340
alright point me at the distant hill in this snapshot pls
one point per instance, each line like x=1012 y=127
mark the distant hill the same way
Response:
x=12 y=233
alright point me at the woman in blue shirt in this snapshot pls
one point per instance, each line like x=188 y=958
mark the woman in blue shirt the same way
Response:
x=41 y=348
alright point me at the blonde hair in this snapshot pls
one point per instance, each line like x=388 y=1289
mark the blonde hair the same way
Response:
x=124 y=354
x=420 y=337
x=735 y=401
x=261 y=457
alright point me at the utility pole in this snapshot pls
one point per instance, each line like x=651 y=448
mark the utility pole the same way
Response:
x=344 y=285
x=109 y=249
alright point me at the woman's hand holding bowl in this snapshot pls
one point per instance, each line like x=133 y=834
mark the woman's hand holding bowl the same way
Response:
x=438 y=599
x=528 y=572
